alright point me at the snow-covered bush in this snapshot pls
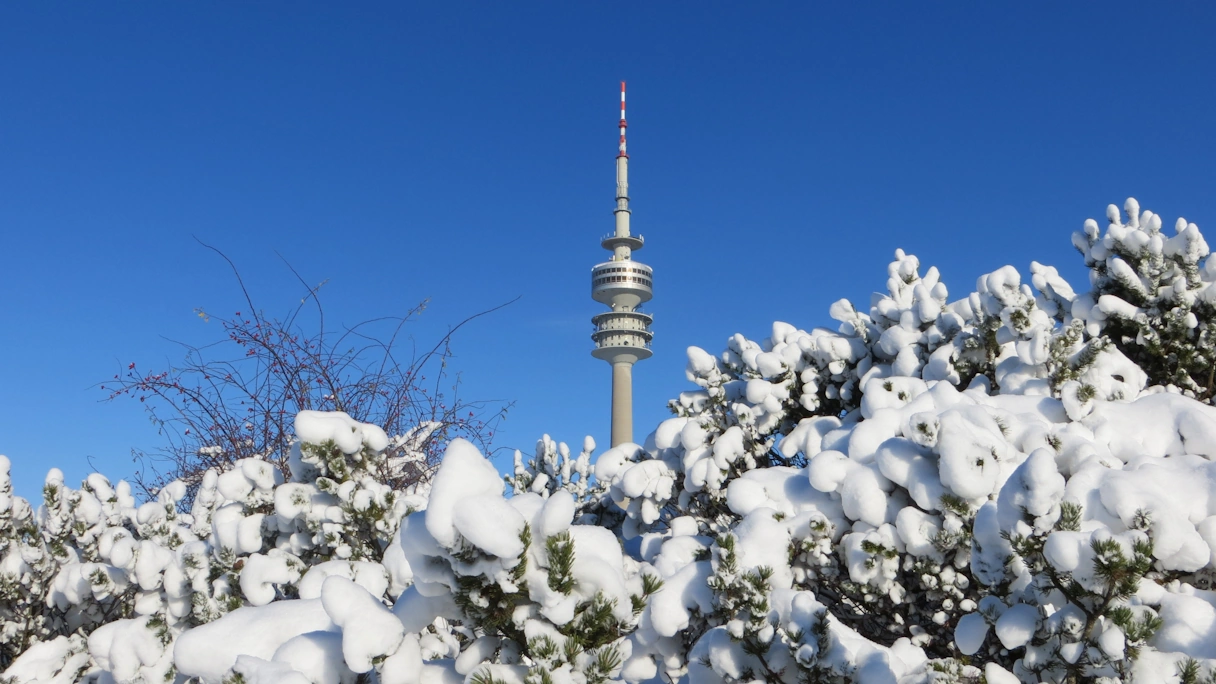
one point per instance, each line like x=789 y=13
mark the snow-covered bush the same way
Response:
x=132 y=577
x=915 y=419
x=1016 y=485
x=501 y=590
x=1153 y=296
x=25 y=572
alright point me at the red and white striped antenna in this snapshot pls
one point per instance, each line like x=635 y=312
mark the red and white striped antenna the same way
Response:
x=623 y=124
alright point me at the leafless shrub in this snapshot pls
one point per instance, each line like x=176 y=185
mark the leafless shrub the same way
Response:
x=237 y=397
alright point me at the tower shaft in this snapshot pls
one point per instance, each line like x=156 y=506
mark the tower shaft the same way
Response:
x=622 y=402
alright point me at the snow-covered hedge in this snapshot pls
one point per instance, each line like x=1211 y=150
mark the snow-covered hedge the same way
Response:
x=1017 y=485
x=131 y=577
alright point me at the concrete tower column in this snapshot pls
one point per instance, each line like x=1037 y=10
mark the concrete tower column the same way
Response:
x=622 y=402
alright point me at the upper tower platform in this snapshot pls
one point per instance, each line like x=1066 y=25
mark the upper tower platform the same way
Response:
x=622 y=284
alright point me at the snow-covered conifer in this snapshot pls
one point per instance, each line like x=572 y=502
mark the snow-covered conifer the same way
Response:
x=26 y=569
x=1013 y=486
x=1153 y=296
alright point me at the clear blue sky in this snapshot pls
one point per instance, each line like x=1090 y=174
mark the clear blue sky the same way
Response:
x=464 y=152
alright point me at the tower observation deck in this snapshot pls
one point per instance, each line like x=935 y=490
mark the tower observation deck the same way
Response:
x=622 y=335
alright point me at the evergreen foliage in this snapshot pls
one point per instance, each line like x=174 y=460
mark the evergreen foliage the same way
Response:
x=1011 y=486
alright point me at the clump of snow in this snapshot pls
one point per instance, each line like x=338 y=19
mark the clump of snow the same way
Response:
x=58 y=661
x=466 y=474
x=369 y=629
x=209 y=651
x=319 y=427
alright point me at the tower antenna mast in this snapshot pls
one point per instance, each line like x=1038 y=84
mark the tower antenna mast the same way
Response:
x=623 y=124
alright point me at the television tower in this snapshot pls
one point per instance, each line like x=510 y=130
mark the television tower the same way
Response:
x=622 y=336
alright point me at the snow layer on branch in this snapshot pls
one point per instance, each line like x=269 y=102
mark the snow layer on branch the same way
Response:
x=319 y=427
x=369 y=629
x=463 y=475
x=208 y=651
x=129 y=651
x=370 y=576
x=57 y=661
